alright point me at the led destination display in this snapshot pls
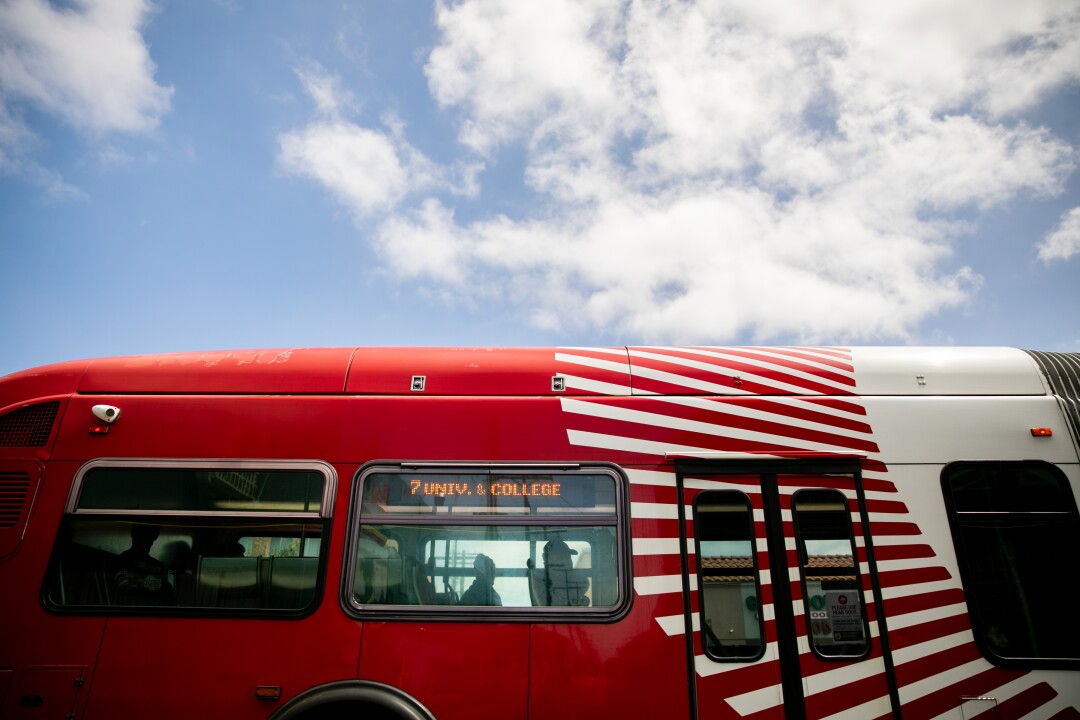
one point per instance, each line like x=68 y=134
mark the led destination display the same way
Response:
x=484 y=494
x=490 y=487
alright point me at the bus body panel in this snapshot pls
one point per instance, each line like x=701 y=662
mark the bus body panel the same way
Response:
x=173 y=665
x=457 y=669
x=34 y=639
x=907 y=413
x=292 y=371
x=942 y=430
x=32 y=386
x=583 y=670
x=482 y=371
x=337 y=429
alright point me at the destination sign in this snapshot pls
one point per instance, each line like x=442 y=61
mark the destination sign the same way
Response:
x=520 y=488
x=410 y=493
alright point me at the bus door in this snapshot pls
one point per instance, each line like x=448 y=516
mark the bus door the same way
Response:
x=780 y=593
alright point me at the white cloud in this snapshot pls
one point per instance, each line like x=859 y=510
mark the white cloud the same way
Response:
x=369 y=170
x=1064 y=241
x=509 y=63
x=331 y=99
x=359 y=166
x=87 y=64
x=428 y=245
x=704 y=170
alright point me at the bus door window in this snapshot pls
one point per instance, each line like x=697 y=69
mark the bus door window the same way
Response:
x=829 y=567
x=728 y=579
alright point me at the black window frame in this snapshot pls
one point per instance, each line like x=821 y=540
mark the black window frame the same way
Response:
x=704 y=497
x=619 y=520
x=977 y=605
x=802 y=557
x=322 y=517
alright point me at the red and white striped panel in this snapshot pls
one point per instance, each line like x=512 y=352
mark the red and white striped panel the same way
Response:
x=781 y=401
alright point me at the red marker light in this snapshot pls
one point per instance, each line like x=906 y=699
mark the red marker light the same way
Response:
x=268 y=692
x=1042 y=432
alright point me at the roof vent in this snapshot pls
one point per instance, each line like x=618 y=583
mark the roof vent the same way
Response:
x=1062 y=371
x=28 y=426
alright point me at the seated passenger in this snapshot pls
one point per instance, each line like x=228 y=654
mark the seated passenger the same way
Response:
x=482 y=590
x=139 y=578
x=423 y=588
x=559 y=583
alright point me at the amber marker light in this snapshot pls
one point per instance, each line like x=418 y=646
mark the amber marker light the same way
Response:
x=268 y=692
x=1042 y=432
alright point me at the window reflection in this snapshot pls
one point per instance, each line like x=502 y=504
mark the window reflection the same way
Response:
x=832 y=590
x=163 y=563
x=731 y=623
x=506 y=566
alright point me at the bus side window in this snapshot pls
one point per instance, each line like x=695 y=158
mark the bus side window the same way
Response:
x=180 y=539
x=487 y=541
x=1016 y=531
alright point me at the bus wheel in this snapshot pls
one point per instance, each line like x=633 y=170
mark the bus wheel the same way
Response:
x=353 y=700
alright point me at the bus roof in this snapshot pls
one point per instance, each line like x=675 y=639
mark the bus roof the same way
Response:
x=536 y=371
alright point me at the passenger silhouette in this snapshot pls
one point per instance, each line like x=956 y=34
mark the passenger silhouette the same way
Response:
x=139 y=578
x=562 y=584
x=482 y=590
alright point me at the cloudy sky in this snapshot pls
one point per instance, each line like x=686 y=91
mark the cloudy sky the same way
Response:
x=180 y=176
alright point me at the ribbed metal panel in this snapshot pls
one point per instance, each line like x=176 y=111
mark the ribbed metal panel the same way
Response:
x=14 y=490
x=1062 y=371
x=29 y=426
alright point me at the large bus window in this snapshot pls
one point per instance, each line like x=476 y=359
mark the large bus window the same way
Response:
x=1016 y=532
x=186 y=539
x=829 y=568
x=484 y=540
x=730 y=596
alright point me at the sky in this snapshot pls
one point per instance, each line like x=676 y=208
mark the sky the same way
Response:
x=215 y=175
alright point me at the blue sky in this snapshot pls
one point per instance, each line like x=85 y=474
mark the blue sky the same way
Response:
x=185 y=176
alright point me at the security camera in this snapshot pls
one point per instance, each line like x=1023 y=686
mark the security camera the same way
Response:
x=106 y=413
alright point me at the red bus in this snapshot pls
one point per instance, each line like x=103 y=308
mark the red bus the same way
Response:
x=541 y=533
